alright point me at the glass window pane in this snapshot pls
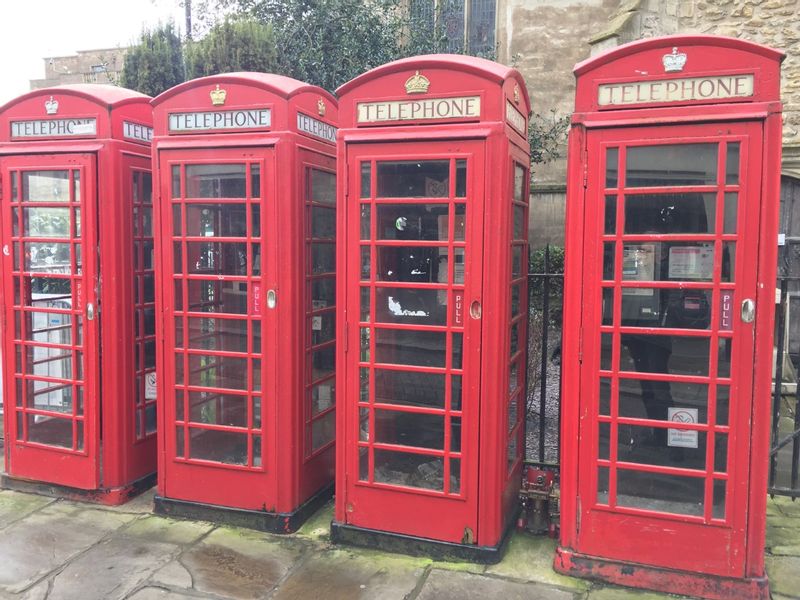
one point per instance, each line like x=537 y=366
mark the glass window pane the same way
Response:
x=728 y=261
x=52 y=431
x=322 y=328
x=605 y=351
x=217 y=296
x=46 y=186
x=678 y=355
x=229 y=335
x=731 y=213
x=323 y=292
x=732 y=164
x=216 y=220
x=718 y=511
x=216 y=181
x=409 y=470
x=323 y=362
x=460 y=225
x=323 y=396
x=674 y=308
x=412 y=264
x=403 y=347
x=668 y=261
x=612 y=167
x=519 y=183
x=461 y=178
x=218 y=371
x=219 y=258
x=48 y=257
x=176 y=181
x=413 y=221
x=670 y=213
x=219 y=446
x=218 y=409
x=520 y=225
x=323 y=430
x=323 y=222
x=609 y=255
x=409 y=429
x=662 y=447
x=323 y=187
x=671 y=164
x=366 y=263
x=405 y=305
x=414 y=179
x=46 y=222
x=661 y=493
x=46 y=395
x=366 y=223
x=646 y=399
x=366 y=182
x=409 y=388
x=255 y=181
x=323 y=258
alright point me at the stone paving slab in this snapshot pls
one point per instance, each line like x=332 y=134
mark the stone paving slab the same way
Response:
x=45 y=540
x=344 y=574
x=15 y=506
x=241 y=564
x=453 y=585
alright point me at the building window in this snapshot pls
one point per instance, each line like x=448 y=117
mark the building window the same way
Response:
x=465 y=25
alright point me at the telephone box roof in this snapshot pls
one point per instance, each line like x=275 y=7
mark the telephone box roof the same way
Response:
x=676 y=40
x=455 y=62
x=109 y=96
x=279 y=85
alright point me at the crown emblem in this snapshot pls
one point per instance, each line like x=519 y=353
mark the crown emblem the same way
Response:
x=51 y=106
x=321 y=108
x=218 y=96
x=516 y=94
x=417 y=84
x=674 y=62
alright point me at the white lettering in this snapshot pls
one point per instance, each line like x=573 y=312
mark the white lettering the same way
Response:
x=258 y=118
x=420 y=110
x=676 y=90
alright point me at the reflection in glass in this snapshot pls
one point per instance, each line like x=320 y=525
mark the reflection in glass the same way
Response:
x=609 y=254
x=52 y=431
x=461 y=178
x=222 y=258
x=612 y=162
x=48 y=257
x=219 y=446
x=675 y=354
x=366 y=223
x=610 y=227
x=409 y=388
x=323 y=396
x=323 y=258
x=648 y=399
x=366 y=183
x=663 y=447
x=732 y=163
x=406 y=347
x=414 y=264
x=602 y=485
x=365 y=305
x=406 y=305
x=670 y=213
x=728 y=261
x=519 y=223
x=255 y=181
x=46 y=222
x=659 y=492
x=217 y=296
x=323 y=363
x=46 y=186
x=455 y=386
x=409 y=470
x=176 y=181
x=323 y=292
x=413 y=221
x=718 y=512
x=217 y=371
x=409 y=429
x=414 y=179
x=216 y=181
x=323 y=222
x=229 y=335
x=519 y=183
x=671 y=165
x=216 y=220
x=731 y=213
x=674 y=308
x=323 y=430
x=218 y=409
x=323 y=187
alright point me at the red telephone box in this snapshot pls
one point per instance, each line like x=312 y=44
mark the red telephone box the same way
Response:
x=433 y=170
x=246 y=175
x=671 y=255
x=79 y=398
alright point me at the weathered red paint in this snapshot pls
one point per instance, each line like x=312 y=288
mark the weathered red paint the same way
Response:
x=488 y=447
x=706 y=553
x=112 y=451
x=270 y=249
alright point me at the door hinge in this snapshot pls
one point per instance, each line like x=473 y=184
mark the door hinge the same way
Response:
x=580 y=345
x=345 y=334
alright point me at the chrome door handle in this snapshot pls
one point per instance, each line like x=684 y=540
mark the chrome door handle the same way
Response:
x=271 y=299
x=748 y=310
x=90 y=312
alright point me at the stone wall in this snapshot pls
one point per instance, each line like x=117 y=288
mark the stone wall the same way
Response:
x=87 y=66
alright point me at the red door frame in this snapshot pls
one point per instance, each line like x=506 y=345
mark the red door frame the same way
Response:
x=416 y=511
x=76 y=467
x=208 y=481
x=685 y=542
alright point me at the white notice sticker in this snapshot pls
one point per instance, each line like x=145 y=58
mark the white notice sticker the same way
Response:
x=682 y=438
x=150 y=386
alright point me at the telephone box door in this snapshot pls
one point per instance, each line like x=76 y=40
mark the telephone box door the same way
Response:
x=51 y=317
x=412 y=395
x=217 y=215
x=672 y=218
